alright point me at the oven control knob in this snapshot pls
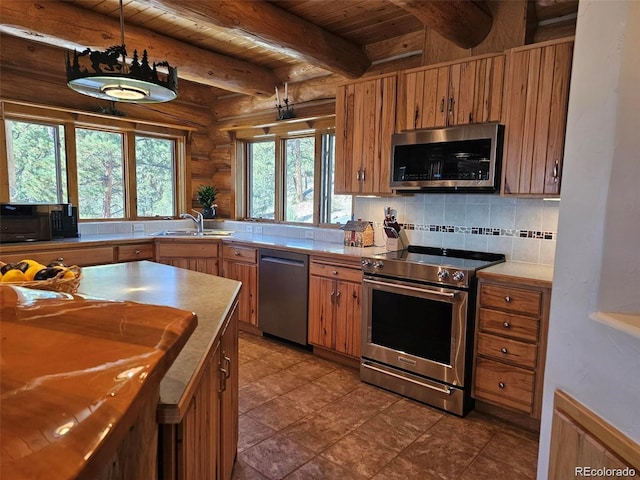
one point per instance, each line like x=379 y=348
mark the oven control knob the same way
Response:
x=378 y=264
x=366 y=262
x=443 y=275
x=458 y=276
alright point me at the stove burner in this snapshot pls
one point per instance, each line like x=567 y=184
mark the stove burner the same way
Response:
x=442 y=266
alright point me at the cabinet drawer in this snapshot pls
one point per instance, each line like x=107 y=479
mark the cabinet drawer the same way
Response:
x=500 y=348
x=188 y=250
x=76 y=256
x=139 y=251
x=504 y=384
x=509 y=325
x=515 y=300
x=240 y=254
x=332 y=271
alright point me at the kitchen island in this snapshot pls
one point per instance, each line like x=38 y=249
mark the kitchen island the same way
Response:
x=198 y=408
x=204 y=374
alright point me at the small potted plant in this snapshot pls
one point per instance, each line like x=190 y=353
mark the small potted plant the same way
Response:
x=206 y=196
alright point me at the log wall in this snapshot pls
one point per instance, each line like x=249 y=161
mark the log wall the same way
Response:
x=34 y=72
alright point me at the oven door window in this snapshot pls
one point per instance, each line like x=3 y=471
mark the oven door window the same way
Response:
x=413 y=325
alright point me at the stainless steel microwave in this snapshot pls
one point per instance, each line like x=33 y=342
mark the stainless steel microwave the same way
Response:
x=464 y=158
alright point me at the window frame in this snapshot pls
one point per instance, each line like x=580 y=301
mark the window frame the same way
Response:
x=282 y=134
x=128 y=127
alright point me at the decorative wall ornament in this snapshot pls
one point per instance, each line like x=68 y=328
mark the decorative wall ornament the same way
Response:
x=111 y=78
x=284 y=111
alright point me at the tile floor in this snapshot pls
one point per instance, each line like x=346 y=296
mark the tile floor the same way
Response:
x=302 y=417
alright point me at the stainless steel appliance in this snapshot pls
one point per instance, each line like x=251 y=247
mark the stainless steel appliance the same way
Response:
x=464 y=158
x=417 y=323
x=33 y=222
x=283 y=279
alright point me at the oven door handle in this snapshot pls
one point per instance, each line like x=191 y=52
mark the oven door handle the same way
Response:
x=445 y=389
x=414 y=289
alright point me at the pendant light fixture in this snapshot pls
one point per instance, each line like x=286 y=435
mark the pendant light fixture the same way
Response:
x=114 y=79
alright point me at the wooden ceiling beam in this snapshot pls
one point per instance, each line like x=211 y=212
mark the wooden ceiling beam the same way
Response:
x=276 y=29
x=464 y=22
x=64 y=25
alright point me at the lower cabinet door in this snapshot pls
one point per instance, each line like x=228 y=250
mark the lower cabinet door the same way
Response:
x=322 y=293
x=504 y=384
x=348 y=323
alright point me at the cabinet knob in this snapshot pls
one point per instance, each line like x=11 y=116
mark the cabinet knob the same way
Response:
x=506 y=325
x=237 y=253
x=334 y=272
x=60 y=259
x=504 y=350
x=138 y=252
x=501 y=385
x=507 y=299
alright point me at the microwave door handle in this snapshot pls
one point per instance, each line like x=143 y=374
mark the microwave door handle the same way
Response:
x=414 y=289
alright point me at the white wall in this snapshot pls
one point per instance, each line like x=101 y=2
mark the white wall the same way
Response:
x=598 y=223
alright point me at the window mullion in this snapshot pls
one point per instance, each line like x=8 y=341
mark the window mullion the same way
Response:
x=280 y=173
x=130 y=193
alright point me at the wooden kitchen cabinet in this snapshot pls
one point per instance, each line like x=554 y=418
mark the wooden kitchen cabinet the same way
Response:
x=334 y=305
x=365 y=121
x=81 y=256
x=536 y=100
x=510 y=346
x=133 y=252
x=454 y=93
x=197 y=255
x=204 y=443
x=241 y=263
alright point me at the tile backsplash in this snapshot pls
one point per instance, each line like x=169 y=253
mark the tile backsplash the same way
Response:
x=524 y=229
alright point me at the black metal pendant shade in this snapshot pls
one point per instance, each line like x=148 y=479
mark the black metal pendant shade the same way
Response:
x=107 y=75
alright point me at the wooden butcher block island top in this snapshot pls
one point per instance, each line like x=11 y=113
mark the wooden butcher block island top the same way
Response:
x=76 y=372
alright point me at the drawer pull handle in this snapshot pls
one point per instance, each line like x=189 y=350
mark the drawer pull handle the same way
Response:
x=504 y=350
x=237 y=253
x=501 y=385
x=506 y=325
x=138 y=252
x=60 y=259
x=335 y=272
x=507 y=299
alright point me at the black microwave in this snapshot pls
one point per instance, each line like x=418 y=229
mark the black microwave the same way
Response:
x=33 y=222
x=456 y=159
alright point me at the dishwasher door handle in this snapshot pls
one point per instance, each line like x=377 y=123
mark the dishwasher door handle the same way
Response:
x=283 y=261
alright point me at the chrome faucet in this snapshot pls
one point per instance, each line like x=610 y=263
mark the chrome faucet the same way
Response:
x=198 y=220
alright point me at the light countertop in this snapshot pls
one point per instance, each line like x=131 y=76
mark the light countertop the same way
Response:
x=210 y=297
x=520 y=272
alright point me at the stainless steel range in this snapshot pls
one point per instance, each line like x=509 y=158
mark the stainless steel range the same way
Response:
x=417 y=323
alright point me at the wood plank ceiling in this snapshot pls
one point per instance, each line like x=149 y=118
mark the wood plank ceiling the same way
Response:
x=270 y=41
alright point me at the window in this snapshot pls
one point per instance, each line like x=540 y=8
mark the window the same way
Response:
x=100 y=157
x=261 y=159
x=155 y=176
x=110 y=168
x=299 y=184
x=290 y=179
x=36 y=162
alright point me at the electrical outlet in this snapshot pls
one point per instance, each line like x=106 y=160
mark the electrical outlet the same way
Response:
x=308 y=234
x=257 y=229
x=138 y=228
x=249 y=228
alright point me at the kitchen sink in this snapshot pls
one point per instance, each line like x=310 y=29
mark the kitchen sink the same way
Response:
x=192 y=233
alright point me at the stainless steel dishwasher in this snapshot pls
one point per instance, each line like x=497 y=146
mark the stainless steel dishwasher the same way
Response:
x=283 y=282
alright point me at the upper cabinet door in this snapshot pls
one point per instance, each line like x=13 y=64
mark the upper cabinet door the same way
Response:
x=365 y=121
x=536 y=100
x=455 y=93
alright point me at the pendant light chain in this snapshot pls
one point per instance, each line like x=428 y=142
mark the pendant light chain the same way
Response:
x=122 y=32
